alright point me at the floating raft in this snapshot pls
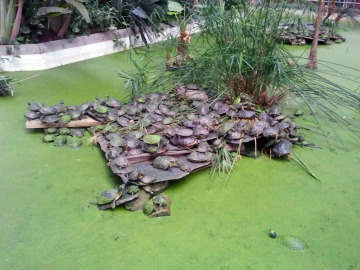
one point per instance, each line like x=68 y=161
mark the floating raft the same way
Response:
x=82 y=123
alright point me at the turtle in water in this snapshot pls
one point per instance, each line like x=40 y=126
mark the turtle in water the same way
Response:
x=148 y=207
x=74 y=142
x=282 y=148
x=110 y=196
x=159 y=200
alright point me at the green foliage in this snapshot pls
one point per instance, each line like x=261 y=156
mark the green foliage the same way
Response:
x=5 y=86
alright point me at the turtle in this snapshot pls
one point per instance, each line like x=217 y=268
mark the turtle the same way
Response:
x=132 y=111
x=200 y=157
x=224 y=129
x=63 y=131
x=200 y=132
x=60 y=140
x=134 y=135
x=282 y=148
x=275 y=110
x=117 y=141
x=148 y=207
x=159 y=200
x=35 y=106
x=224 y=108
x=123 y=121
x=272 y=233
x=270 y=132
x=203 y=147
x=218 y=143
x=48 y=138
x=74 y=142
x=133 y=189
x=61 y=108
x=121 y=162
x=31 y=115
x=51 y=130
x=74 y=114
x=246 y=114
x=112 y=102
x=133 y=143
x=48 y=110
x=65 y=119
x=164 y=162
x=101 y=109
x=184 y=132
x=134 y=175
x=77 y=132
x=234 y=135
x=112 y=128
x=113 y=153
x=203 y=109
x=110 y=196
x=83 y=107
x=167 y=121
x=184 y=141
x=256 y=128
x=50 y=118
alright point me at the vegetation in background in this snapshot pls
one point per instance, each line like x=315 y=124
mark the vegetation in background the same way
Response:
x=241 y=58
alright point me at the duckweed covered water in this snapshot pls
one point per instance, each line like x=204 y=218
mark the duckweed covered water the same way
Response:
x=47 y=222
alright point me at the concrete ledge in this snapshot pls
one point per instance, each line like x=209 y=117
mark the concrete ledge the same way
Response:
x=66 y=51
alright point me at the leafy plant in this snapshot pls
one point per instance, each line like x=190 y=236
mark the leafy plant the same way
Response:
x=5 y=86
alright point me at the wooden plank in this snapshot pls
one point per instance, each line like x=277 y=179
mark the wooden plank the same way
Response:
x=85 y=122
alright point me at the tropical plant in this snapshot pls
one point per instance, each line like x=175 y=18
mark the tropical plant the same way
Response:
x=6 y=87
x=10 y=19
x=241 y=58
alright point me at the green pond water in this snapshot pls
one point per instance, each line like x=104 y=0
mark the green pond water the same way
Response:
x=46 y=221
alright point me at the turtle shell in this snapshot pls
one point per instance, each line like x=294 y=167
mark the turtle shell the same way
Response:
x=101 y=109
x=60 y=140
x=282 y=148
x=256 y=128
x=64 y=131
x=112 y=102
x=274 y=110
x=74 y=114
x=48 y=110
x=133 y=143
x=50 y=118
x=201 y=132
x=121 y=162
x=184 y=132
x=117 y=141
x=134 y=135
x=200 y=157
x=203 y=109
x=74 y=142
x=65 y=119
x=113 y=153
x=31 y=115
x=224 y=129
x=51 y=130
x=77 y=132
x=123 y=121
x=60 y=108
x=35 y=106
x=246 y=114
x=203 y=147
x=152 y=139
x=48 y=138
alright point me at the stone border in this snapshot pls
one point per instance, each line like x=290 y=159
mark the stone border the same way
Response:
x=66 y=51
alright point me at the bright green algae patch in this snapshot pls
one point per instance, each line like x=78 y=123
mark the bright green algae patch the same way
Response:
x=46 y=221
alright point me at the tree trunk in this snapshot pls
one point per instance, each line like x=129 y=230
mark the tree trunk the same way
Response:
x=64 y=29
x=17 y=22
x=312 y=63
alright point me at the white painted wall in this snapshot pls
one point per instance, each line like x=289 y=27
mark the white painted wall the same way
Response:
x=62 y=52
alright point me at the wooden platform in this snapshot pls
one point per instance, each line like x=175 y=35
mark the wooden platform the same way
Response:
x=85 y=122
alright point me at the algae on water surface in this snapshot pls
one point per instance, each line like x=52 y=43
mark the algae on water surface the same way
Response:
x=47 y=222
